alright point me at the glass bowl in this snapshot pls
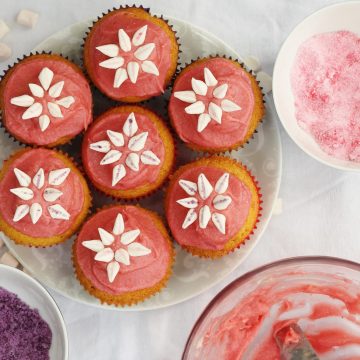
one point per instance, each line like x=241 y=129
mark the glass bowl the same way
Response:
x=312 y=272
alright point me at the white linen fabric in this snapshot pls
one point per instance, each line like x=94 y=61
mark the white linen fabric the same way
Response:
x=320 y=205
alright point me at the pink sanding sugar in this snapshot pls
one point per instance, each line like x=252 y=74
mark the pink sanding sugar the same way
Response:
x=325 y=81
x=23 y=333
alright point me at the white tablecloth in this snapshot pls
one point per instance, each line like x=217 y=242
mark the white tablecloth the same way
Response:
x=321 y=206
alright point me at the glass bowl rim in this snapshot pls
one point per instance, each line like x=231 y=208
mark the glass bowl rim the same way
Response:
x=250 y=274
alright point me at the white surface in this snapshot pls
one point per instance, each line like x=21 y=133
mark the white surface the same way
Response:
x=333 y=18
x=320 y=204
x=192 y=275
x=33 y=294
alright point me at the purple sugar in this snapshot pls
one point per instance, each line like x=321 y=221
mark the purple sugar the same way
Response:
x=24 y=335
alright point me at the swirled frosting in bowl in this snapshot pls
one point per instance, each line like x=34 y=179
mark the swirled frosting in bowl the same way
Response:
x=321 y=296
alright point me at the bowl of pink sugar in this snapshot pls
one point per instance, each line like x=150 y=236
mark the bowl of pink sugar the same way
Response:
x=316 y=85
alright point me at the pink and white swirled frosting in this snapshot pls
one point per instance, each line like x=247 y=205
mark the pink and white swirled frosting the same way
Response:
x=326 y=307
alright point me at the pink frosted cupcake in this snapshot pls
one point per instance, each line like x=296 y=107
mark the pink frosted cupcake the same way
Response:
x=123 y=255
x=215 y=105
x=45 y=100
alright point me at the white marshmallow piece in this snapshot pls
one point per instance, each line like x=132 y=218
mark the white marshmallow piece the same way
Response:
x=252 y=63
x=4 y=29
x=9 y=260
x=1 y=242
x=5 y=51
x=265 y=81
x=27 y=18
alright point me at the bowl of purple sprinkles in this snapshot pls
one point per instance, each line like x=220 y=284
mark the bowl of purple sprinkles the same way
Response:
x=31 y=324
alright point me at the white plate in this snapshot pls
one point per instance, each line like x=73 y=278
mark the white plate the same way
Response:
x=33 y=294
x=192 y=275
x=344 y=16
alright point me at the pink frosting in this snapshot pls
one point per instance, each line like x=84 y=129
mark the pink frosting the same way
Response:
x=143 y=271
x=75 y=119
x=72 y=199
x=234 y=125
x=325 y=83
x=326 y=308
x=102 y=174
x=210 y=238
x=106 y=32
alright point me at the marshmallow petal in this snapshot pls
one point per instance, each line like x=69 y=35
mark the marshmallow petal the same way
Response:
x=124 y=41
x=139 y=36
x=106 y=237
x=112 y=269
x=199 y=87
x=111 y=50
x=20 y=212
x=119 y=225
x=190 y=202
x=94 y=245
x=35 y=212
x=188 y=186
x=129 y=236
x=45 y=77
x=130 y=126
x=204 y=187
x=150 y=68
x=143 y=52
x=190 y=218
x=119 y=172
x=210 y=79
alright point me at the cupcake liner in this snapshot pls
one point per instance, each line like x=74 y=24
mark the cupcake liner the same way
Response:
x=199 y=150
x=2 y=77
x=148 y=194
x=155 y=16
x=214 y=254
x=88 y=197
x=86 y=284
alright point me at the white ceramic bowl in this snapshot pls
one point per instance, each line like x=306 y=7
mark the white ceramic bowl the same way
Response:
x=344 y=16
x=34 y=294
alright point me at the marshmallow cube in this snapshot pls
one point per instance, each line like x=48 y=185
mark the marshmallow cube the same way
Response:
x=9 y=260
x=4 y=29
x=265 y=81
x=5 y=51
x=27 y=18
x=252 y=63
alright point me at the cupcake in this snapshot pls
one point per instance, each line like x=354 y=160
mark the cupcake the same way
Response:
x=128 y=152
x=215 y=105
x=45 y=100
x=123 y=255
x=131 y=55
x=212 y=206
x=43 y=197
